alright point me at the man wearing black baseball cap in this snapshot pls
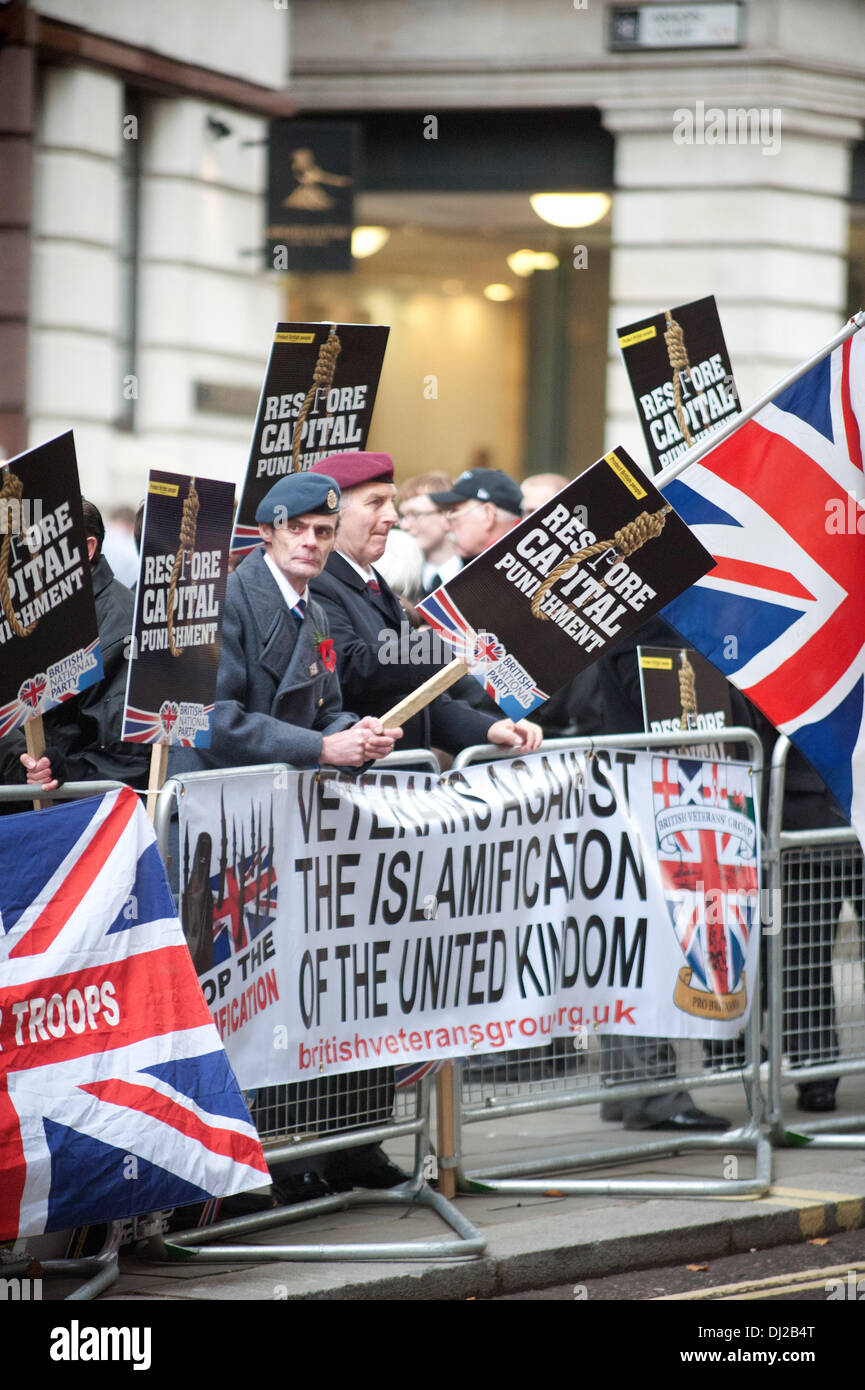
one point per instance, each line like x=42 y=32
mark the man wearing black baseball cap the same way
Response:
x=482 y=506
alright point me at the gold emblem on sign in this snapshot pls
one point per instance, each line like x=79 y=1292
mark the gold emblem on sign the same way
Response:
x=309 y=195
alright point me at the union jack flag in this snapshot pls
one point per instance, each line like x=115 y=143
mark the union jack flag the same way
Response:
x=780 y=506
x=32 y=691
x=116 y=1097
x=235 y=923
x=244 y=539
x=413 y=1072
x=708 y=870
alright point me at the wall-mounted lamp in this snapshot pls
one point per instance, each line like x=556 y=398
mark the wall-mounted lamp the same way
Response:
x=218 y=129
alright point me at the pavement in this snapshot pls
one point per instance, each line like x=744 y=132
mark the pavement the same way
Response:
x=544 y=1238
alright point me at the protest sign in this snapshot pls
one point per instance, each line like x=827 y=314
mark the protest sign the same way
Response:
x=544 y=602
x=49 y=642
x=318 y=397
x=179 y=605
x=681 y=690
x=403 y=917
x=680 y=374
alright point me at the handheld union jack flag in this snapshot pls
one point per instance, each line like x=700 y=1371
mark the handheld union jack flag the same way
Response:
x=116 y=1097
x=780 y=506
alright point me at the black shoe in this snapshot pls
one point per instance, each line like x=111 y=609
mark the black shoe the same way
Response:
x=246 y=1204
x=301 y=1187
x=816 y=1095
x=688 y=1121
x=366 y=1167
x=612 y=1111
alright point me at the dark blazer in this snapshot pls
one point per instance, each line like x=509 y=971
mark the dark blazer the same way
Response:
x=365 y=627
x=82 y=735
x=274 y=699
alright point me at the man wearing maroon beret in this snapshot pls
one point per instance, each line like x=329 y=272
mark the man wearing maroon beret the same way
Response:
x=365 y=618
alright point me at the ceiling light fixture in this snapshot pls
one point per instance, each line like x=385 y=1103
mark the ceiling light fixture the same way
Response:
x=571 y=209
x=367 y=241
x=498 y=293
x=526 y=262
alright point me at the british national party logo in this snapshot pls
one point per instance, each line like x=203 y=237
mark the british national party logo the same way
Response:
x=707 y=853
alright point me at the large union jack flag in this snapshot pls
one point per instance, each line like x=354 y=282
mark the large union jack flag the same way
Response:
x=116 y=1097
x=779 y=505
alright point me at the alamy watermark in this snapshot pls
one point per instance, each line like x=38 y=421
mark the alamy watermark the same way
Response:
x=737 y=125
x=21 y=516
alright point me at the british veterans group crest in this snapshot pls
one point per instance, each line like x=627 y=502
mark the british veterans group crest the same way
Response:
x=706 y=839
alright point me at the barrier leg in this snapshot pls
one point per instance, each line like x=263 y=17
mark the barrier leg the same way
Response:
x=201 y=1244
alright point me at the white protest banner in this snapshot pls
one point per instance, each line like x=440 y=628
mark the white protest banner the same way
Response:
x=402 y=916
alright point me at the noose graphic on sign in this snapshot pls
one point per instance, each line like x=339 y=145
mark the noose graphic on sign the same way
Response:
x=687 y=695
x=678 y=355
x=185 y=546
x=11 y=493
x=687 y=692
x=322 y=379
x=629 y=538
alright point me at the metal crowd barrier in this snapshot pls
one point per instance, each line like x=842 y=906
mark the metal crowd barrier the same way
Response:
x=102 y=1267
x=559 y=1077
x=816 y=997
x=293 y=1128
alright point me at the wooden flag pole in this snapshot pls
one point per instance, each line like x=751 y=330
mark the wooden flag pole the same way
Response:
x=420 y=698
x=34 y=737
x=158 y=769
x=445 y=1129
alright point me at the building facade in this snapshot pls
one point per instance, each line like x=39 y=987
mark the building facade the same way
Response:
x=136 y=307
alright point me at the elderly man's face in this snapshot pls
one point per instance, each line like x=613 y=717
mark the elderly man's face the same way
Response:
x=300 y=546
x=471 y=526
x=366 y=516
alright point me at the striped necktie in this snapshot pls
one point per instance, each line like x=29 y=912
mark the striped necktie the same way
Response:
x=373 y=586
x=298 y=612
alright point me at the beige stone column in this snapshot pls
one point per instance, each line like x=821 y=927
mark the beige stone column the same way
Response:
x=720 y=193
